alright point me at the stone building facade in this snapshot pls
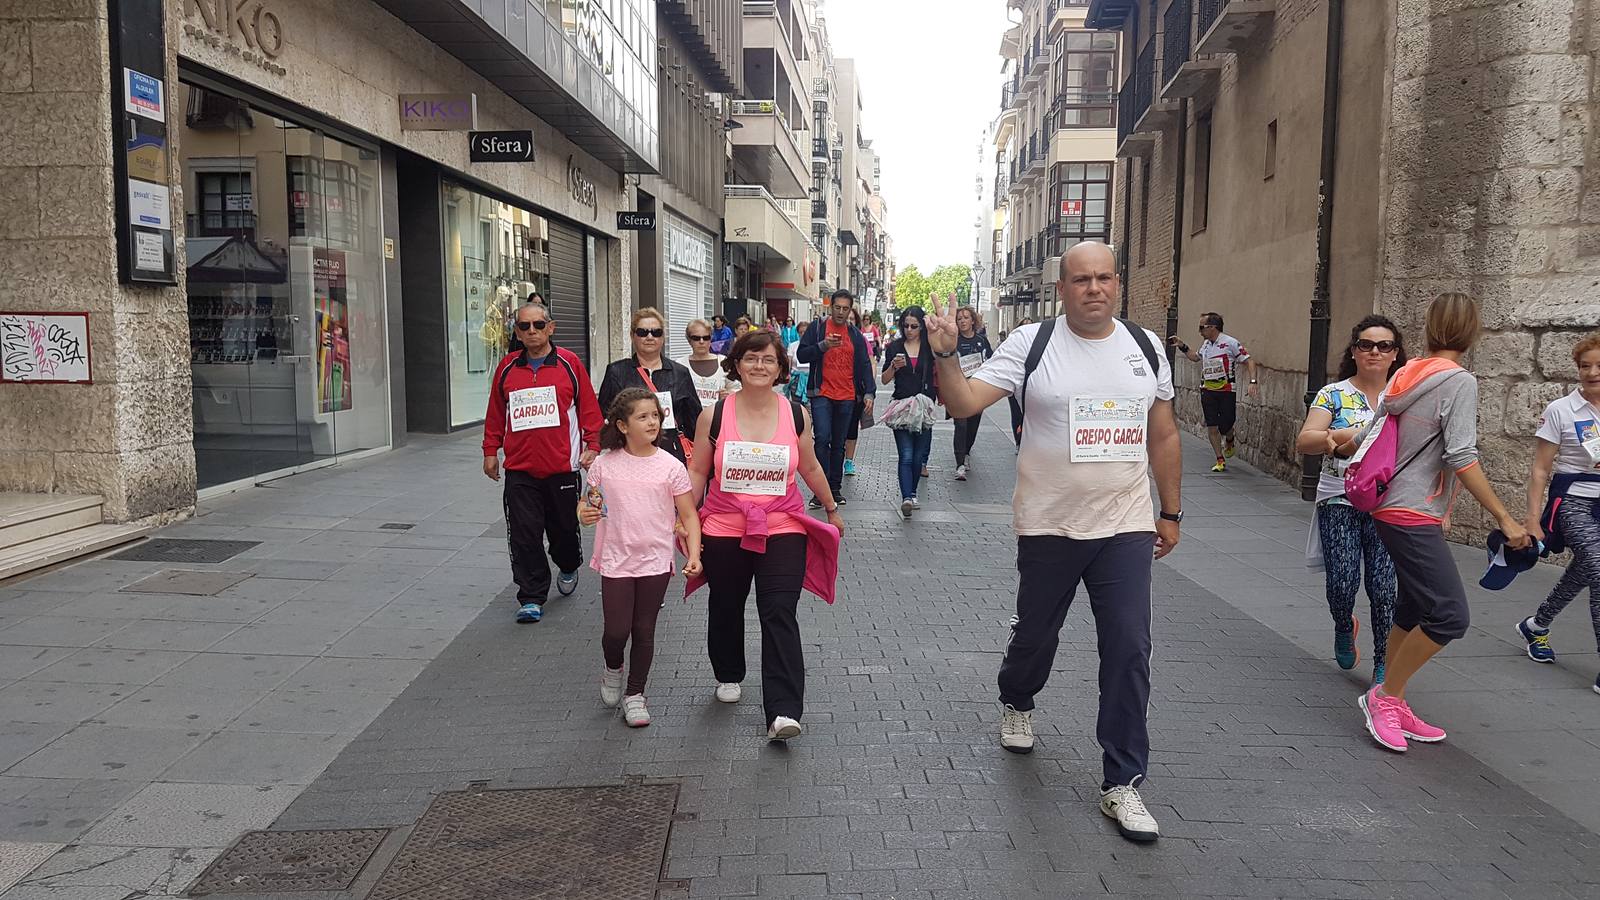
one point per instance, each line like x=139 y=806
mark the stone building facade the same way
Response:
x=1459 y=155
x=351 y=209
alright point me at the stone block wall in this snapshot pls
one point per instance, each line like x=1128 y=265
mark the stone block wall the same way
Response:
x=128 y=436
x=1491 y=189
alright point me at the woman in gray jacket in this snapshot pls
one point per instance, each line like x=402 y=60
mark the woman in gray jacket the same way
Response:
x=1436 y=403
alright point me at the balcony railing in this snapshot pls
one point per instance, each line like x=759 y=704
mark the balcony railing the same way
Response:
x=819 y=209
x=1144 y=79
x=1177 y=40
x=760 y=108
x=1207 y=14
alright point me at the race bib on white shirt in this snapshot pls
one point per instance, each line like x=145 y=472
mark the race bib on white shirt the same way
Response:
x=669 y=419
x=970 y=363
x=1108 y=429
x=752 y=468
x=1214 y=368
x=1592 y=446
x=533 y=407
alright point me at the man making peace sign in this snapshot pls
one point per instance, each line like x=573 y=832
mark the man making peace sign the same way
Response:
x=1097 y=417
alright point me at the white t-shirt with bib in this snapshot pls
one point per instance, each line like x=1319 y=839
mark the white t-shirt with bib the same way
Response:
x=1573 y=425
x=1079 y=474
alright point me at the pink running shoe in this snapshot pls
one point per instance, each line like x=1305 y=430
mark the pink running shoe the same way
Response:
x=1417 y=730
x=1383 y=719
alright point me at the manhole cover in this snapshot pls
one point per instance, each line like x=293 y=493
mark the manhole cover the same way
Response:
x=396 y=526
x=567 y=843
x=189 y=550
x=269 y=862
x=184 y=581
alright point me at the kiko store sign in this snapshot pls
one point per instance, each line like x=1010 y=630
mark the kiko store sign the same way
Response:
x=247 y=29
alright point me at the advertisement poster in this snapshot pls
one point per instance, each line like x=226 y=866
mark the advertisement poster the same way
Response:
x=149 y=205
x=143 y=95
x=148 y=251
x=333 y=330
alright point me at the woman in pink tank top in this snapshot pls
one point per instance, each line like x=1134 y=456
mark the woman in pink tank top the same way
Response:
x=756 y=527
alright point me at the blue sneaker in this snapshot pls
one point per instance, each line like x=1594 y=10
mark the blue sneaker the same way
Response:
x=849 y=467
x=1345 y=651
x=529 y=613
x=1377 y=673
x=567 y=583
x=1539 y=649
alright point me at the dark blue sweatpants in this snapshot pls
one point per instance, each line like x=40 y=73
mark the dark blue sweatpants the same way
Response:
x=1116 y=570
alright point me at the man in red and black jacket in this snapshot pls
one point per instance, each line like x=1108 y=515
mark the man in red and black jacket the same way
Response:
x=544 y=414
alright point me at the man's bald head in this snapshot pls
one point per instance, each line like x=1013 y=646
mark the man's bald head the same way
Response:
x=1089 y=287
x=1095 y=253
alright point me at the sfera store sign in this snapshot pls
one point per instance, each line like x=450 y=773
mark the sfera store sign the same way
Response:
x=500 y=146
x=248 y=29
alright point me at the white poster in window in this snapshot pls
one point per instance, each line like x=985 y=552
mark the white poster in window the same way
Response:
x=149 y=204
x=148 y=251
x=44 y=347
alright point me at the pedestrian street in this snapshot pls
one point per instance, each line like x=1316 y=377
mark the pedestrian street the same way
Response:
x=358 y=675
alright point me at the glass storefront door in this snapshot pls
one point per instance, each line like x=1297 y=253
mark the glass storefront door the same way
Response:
x=283 y=256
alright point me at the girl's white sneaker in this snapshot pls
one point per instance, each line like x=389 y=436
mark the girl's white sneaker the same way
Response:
x=610 y=685
x=729 y=692
x=782 y=729
x=634 y=712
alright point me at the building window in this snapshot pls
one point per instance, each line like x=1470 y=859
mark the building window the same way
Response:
x=1085 y=71
x=1202 y=173
x=1270 y=167
x=1081 y=197
x=227 y=204
x=1144 y=206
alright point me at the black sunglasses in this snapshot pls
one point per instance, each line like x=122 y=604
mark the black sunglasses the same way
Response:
x=699 y=337
x=539 y=325
x=1380 y=346
x=649 y=332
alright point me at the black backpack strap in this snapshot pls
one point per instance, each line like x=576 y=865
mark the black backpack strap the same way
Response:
x=1143 y=340
x=1041 y=340
x=799 y=417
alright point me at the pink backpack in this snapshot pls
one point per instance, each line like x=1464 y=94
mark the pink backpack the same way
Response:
x=1373 y=468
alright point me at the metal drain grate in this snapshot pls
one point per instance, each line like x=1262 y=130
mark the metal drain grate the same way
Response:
x=184 y=550
x=559 y=843
x=276 y=862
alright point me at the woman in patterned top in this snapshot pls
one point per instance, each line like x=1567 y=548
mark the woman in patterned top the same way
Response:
x=1347 y=537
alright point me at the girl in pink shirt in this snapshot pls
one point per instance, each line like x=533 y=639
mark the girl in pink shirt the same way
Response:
x=637 y=494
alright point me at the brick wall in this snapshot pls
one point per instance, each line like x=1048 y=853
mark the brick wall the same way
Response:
x=1489 y=191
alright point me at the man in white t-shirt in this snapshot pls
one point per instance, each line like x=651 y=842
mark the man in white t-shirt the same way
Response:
x=1097 y=417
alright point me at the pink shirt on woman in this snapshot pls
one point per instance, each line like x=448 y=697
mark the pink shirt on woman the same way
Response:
x=635 y=539
x=733 y=524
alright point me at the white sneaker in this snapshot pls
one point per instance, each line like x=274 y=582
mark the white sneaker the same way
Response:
x=1016 y=729
x=1123 y=805
x=610 y=685
x=915 y=503
x=961 y=472
x=906 y=506
x=634 y=712
x=782 y=729
x=729 y=692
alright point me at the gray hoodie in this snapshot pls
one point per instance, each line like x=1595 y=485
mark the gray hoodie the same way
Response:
x=1430 y=396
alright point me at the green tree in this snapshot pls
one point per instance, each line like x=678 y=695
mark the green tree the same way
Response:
x=911 y=287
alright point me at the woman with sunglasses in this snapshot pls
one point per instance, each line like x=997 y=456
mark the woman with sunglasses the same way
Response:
x=705 y=366
x=670 y=382
x=908 y=365
x=1346 y=537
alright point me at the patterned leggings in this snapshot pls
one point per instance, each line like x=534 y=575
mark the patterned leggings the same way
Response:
x=1582 y=534
x=1349 y=539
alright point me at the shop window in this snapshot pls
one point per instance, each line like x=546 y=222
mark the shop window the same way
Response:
x=1201 y=208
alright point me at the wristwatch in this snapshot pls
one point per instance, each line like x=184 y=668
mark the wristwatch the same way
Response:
x=946 y=354
x=1172 y=517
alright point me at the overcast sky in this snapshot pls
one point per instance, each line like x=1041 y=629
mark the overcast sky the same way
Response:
x=930 y=81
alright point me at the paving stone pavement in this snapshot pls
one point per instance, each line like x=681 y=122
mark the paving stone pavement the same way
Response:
x=1262 y=777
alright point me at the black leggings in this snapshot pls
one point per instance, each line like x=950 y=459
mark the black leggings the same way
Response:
x=631 y=606
x=778 y=574
x=966 y=436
